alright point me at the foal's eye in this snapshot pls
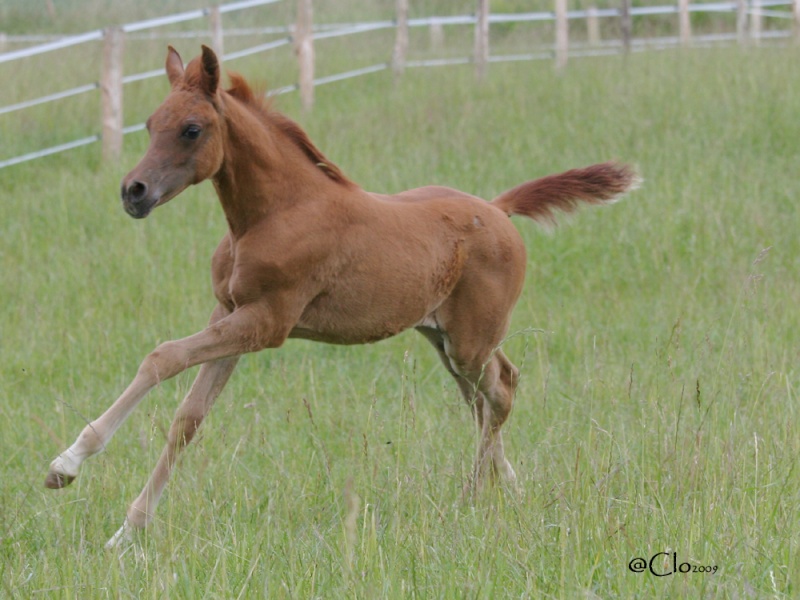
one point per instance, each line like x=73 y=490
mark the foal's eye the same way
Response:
x=191 y=132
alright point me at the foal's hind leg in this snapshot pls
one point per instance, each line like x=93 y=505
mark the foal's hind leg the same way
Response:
x=471 y=395
x=498 y=382
x=487 y=381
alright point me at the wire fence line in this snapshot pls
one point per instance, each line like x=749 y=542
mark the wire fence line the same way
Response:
x=494 y=18
x=749 y=16
x=97 y=34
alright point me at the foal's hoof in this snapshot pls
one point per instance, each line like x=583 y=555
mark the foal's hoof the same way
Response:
x=56 y=481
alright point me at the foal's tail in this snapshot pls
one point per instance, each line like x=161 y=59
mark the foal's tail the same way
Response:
x=598 y=184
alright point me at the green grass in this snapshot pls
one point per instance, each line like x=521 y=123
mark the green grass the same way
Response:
x=657 y=410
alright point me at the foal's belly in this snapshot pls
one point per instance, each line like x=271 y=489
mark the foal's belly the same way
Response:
x=346 y=338
x=365 y=317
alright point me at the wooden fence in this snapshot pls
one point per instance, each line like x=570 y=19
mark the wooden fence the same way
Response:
x=303 y=34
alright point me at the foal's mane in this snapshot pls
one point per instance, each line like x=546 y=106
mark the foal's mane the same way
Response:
x=242 y=91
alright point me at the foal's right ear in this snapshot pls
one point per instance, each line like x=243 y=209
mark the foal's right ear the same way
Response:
x=209 y=76
x=174 y=66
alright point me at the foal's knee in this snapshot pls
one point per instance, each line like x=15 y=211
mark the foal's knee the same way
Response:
x=166 y=361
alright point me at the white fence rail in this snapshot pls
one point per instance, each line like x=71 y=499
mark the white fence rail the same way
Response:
x=749 y=18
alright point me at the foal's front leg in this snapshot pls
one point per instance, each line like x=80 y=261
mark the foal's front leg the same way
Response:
x=247 y=329
x=190 y=414
x=155 y=368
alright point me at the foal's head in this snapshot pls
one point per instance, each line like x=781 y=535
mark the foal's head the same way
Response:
x=185 y=136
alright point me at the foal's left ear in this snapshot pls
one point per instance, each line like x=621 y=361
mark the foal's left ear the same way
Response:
x=209 y=76
x=174 y=66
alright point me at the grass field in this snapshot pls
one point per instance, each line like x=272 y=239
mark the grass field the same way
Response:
x=658 y=341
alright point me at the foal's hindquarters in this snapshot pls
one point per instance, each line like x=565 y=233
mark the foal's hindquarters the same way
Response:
x=468 y=327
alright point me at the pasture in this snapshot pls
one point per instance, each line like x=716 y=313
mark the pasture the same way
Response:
x=657 y=338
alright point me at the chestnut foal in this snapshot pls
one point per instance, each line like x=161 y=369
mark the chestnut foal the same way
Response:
x=311 y=255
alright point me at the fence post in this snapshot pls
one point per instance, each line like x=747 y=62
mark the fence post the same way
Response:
x=304 y=48
x=796 y=20
x=217 y=42
x=593 y=26
x=684 y=23
x=401 y=38
x=562 y=34
x=482 y=39
x=111 y=93
x=625 y=25
x=741 y=21
x=755 y=22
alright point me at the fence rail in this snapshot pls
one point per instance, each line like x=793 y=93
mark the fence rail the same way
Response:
x=302 y=34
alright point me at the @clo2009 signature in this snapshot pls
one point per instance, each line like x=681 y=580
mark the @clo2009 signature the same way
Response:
x=666 y=566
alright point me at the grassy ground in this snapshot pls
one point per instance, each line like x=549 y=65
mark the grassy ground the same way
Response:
x=656 y=412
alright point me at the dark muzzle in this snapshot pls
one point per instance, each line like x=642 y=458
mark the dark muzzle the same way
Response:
x=135 y=199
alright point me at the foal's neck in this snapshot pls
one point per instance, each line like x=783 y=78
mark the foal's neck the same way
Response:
x=263 y=171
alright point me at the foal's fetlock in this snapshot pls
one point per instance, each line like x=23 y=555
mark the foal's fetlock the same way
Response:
x=507 y=480
x=503 y=472
x=122 y=538
x=135 y=520
x=62 y=472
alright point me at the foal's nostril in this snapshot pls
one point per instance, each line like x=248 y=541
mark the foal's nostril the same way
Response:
x=135 y=191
